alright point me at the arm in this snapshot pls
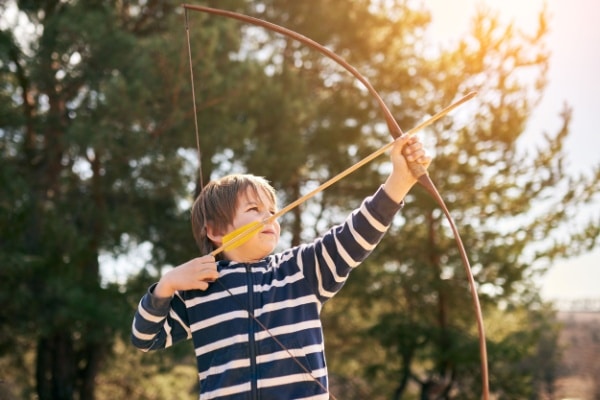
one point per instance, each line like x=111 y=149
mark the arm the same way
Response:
x=161 y=316
x=327 y=262
x=159 y=322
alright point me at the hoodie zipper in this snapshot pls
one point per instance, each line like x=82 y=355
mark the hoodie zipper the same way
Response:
x=251 y=336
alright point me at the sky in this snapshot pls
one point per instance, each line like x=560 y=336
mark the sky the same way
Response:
x=574 y=79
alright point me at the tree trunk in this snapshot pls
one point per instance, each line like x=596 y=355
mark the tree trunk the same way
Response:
x=297 y=212
x=42 y=367
x=93 y=355
x=442 y=310
x=54 y=369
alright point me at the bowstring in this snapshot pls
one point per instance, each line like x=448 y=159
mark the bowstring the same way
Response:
x=199 y=183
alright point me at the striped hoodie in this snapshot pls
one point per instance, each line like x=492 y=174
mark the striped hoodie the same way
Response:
x=237 y=358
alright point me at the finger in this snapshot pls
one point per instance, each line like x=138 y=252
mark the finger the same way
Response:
x=412 y=140
x=424 y=160
x=208 y=274
x=399 y=145
x=411 y=148
x=209 y=258
x=206 y=278
x=211 y=276
x=401 y=142
x=413 y=155
x=205 y=263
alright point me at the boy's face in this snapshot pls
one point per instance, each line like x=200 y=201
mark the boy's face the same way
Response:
x=251 y=208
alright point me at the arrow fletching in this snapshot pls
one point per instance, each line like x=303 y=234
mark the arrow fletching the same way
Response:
x=239 y=236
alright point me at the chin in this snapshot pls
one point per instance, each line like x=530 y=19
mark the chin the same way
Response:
x=262 y=253
x=254 y=252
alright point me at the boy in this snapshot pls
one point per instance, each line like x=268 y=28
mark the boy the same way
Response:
x=254 y=316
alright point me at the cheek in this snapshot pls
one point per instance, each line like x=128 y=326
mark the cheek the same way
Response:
x=277 y=228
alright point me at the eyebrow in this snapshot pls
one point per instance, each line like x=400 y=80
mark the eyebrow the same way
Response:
x=252 y=198
x=248 y=202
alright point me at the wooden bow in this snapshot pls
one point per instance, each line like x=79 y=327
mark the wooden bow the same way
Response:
x=417 y=170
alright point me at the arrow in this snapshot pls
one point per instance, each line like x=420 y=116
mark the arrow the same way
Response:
x=243 y=234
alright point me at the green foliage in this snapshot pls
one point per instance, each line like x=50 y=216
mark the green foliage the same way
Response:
x=149 y=376
x=509 y=206
x=98 y=116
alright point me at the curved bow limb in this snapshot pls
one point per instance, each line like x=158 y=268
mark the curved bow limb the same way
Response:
x=418 y=171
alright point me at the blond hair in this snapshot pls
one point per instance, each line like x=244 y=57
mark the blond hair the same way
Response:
x=216 y=205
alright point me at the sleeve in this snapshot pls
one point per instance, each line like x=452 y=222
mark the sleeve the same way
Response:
x=159 y=322
x=327 y=262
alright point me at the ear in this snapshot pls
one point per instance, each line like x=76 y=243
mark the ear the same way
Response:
x=214 y=235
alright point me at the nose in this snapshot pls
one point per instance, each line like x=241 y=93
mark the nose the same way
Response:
x=267 y=213
x=271 y=222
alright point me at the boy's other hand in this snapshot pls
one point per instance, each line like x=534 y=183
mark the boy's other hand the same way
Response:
x=197 y=273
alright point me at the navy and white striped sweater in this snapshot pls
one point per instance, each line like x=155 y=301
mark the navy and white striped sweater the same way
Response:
x=236 y=358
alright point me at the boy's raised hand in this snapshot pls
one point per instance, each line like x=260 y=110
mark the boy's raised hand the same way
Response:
x=197 y=273
x=406 y=148
x=413 y=151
